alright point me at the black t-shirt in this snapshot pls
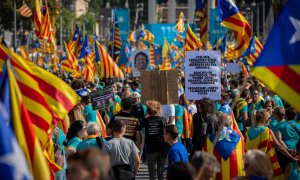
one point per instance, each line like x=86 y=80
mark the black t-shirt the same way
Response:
x=137 y=110
x=202 y=128
x=136 y=127
x=154 y=130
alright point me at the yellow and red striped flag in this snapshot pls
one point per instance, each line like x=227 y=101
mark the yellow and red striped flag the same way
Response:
x=232 y=18
x=24 y=10
x=180 y=24
x=24 y=52
x=42 y=22
x=47 y=98
x=148 y=36
x=109 y=68
x=71 y=64
x=253 y=51
x=191 y=42
x=229 y=152
x=152 y=59
x=21 y=123
x=37 y=16
x=264 y=142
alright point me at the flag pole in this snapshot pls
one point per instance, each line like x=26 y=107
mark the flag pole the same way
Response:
x=113 y=33
x=15 y=26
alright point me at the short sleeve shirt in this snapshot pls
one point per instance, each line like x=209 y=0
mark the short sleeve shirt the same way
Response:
x=289 y=134
x=90 y=114
x=168 y=110
x=179 y=114
x=74 y=142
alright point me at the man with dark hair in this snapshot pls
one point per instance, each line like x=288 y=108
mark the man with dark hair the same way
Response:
x=177 y=152
x=241 y=110
x=133 y=130
x=89 y=164
x=123 y=152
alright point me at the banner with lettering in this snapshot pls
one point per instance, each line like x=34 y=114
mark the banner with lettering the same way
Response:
x=203 y=75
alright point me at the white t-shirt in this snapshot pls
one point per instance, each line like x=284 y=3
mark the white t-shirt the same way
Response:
x=167 y=111
x=193 y=108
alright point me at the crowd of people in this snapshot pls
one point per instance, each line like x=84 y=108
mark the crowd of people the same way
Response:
x=250 y=133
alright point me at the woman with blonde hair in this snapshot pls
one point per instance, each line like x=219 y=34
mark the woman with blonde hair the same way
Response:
x=262 y=138
x=156 y=150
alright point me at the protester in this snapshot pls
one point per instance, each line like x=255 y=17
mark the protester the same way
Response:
x=226 y=145
x=168 y=112
x=93 y=139
x=123 y=153
x=89 y=164
x=177 y=152
x=256 y=104
x=270 y=106
x=292 y=171
x=89 y=113
x=75 y=134
x=187 y=123
x=241 y=110
x=133 y=130
x=204 y=123
x=261 y=137
x=156 y=150
x=205 y=165
x=287 y=132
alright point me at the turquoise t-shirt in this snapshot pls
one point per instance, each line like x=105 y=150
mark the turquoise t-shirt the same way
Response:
x=217 y=105
x=239 y=119
x=90 y=142
x=90 y=114
x=288 y=133
x=74 y=142
x=295 y=171
x=145 y=109
x=277 y=100
x=112 y=108
x=273 y=123
x=179 y=114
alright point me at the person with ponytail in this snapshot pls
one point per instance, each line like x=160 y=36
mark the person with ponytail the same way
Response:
x=75 y=134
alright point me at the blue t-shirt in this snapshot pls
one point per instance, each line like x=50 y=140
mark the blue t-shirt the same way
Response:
x=288 y=133
x=177 y=153
x=90 y=142
x=278 y=100
x=60 y=140
x=90 y=114
x=179 y=114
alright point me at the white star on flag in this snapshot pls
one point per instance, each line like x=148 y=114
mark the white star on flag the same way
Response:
x=225 y=134
x=231 y=4
x=296 y=36
x=17 y=161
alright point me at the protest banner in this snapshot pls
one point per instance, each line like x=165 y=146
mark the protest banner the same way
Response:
x=203 y=75
x=161 y=86
x=102 y=98
x=232 y=68
x=141 y=60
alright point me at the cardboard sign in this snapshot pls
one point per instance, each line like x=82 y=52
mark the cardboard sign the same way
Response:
x=202 y=75
x=102 y=98
x=161 y=86
x=232 y=68
x=141 y=60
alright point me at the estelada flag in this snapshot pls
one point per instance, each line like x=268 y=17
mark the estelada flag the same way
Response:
x=232 y=18
x=278 y=65
x=264 y=142
x=229 y=152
